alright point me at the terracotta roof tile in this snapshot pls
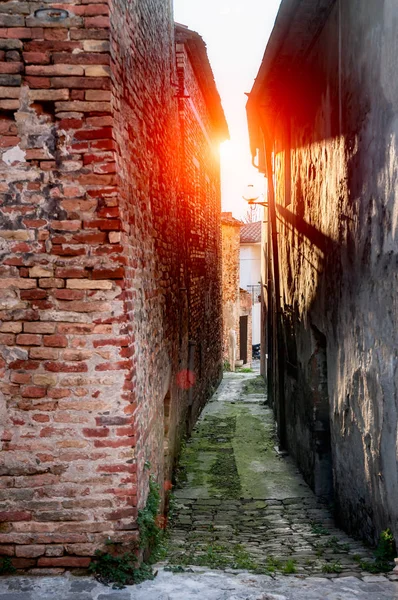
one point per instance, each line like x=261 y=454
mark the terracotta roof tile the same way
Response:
x=250 y=233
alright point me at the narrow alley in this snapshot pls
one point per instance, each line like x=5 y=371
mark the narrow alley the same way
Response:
x=241 y=505
x=245 y=524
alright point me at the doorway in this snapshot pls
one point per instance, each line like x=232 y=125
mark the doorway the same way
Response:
x=243 y=332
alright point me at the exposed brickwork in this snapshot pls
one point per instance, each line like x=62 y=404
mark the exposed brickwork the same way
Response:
x=200 y=211
x=93 y=316
x=230 y=284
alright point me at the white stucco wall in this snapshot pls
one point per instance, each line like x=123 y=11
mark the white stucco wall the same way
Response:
x=250 y=265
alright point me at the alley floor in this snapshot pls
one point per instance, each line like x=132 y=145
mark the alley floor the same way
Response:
x=241 y=505
x=245 y=525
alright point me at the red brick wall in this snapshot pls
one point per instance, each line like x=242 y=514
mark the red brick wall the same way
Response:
x=93 y=308
x=201 y=205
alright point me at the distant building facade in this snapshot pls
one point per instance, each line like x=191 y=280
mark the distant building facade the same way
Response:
x=323 y=117
x=110 y=319
x=250 y=272
x=236 y=302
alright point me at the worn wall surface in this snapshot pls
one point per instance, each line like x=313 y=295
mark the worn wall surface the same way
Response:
x=201 y=254
x=94 y=308
x=246 y=310
x=230 y=233
x=336 y=183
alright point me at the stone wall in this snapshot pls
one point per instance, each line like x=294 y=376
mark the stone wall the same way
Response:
x=94 y=308
x=336 y=184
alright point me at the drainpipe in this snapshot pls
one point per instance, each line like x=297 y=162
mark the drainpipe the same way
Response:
x=273 y=377
x=280 y=355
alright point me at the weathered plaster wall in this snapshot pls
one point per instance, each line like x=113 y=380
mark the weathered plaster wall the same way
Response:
x=94 y=308
x=338 y=219
x=230 y=233
x=245 y=310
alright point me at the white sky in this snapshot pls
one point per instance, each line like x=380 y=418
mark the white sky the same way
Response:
x=236 y=33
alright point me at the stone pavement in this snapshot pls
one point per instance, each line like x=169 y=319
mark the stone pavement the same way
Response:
x=242 y=505
x=205 y=585
x=244 y=510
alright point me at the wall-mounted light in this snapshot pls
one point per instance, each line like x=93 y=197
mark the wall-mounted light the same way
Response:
x=251 y=195
x=51 y=14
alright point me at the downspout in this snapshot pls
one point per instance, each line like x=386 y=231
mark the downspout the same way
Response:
x=280 y=354
x=281 y=412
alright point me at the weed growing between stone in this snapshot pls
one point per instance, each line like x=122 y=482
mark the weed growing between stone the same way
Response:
x=121 y=568
x=6 y=566
x=290 y=567
x=332 y=567
x=384 y=555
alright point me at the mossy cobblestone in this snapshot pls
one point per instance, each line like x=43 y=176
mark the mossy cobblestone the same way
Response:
x=239 y=504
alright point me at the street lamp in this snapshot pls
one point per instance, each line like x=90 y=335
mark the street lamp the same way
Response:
x=252 y=196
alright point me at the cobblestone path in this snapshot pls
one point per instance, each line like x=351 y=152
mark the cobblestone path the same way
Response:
x=245 y=511
x=243 y=506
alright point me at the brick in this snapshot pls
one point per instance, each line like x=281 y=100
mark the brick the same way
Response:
x=10 y=327
x=90 y=238
x=11 y=68
x=97 y=71
x=110 y=273
x=82 y=58
x=83 y=106
x=11 y=20
x=98 y=95
x=16 y=234
x=33 y=391
x=100 y=22
x=86 y=284
x=59 y=367
x=103 y=224
x=94 y=134
x=9 y=104
x=49 y=95
x=7 y=550
x=39 y=327
x=96 y=46
x=72 y=272
x=64 y=561
x=33 y=294
x=41 y=58
x=69 y=294
x=56 y=34
x=7 y=92
x=10 y=44
x=51 y=282
x=29 y=339
x=66 y=225
x=43 y=353
x=82 y=83
x=44 y=379
x=55 y=341
x=35 y=82
x=8 y=339
x=31 y=551
x=96 y=433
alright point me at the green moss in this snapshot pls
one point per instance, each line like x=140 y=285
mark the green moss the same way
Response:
x=217 y=556
x=289 y=567
x=332 y=567
x=224 y=476
x=254 y=386
x=6 y=566
x=119 y=566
